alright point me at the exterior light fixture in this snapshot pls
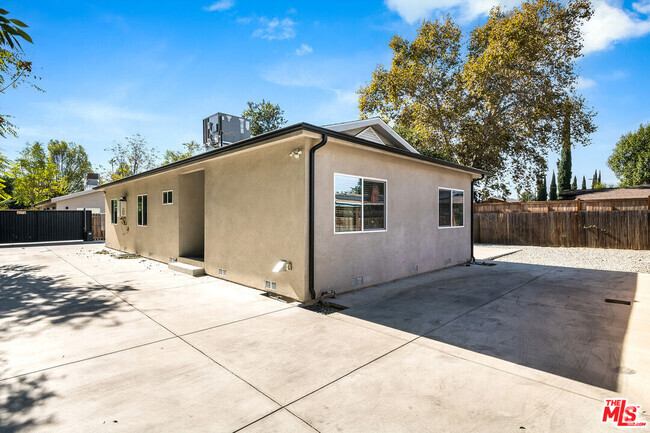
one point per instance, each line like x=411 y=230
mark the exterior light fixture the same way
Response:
x=282 y=266
x=295 y=153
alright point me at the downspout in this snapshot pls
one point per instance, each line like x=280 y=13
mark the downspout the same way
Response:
x=312 y=169
x=471 y=225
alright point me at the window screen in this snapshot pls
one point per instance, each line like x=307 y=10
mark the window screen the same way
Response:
x=450 y=207
x=348 y=201
x=114 y=211
x=142 y=210
x=359 y=204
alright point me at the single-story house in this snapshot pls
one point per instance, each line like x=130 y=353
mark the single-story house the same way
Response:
x=630 y=192
x=300 y=210
x=88 y=199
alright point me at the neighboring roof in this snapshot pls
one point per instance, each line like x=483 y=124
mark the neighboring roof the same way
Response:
x=66 y=197
x=639 y=191
x=379 y=128
x=284 y=131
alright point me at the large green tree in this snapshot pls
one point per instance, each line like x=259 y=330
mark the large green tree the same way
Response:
x=191 y=148
x=553 y=192
x=71 y=161
x=630 y=160
x=564 y=164
x=3 y=174
x=36 y=177
x=131 y=157
x=14 y=69
x=264 y=116
x=498 y=103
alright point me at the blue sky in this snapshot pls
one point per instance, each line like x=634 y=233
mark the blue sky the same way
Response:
x=112 y=69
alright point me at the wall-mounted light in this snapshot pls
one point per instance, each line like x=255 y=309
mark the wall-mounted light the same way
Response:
x=295 y=153
x=282 y=266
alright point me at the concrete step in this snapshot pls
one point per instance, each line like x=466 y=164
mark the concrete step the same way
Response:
x=194 y=261
x=185 y=268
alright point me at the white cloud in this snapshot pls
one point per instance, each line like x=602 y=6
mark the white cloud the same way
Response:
x=304 y=49
x=276 y=29
x=221 y=5
x=585 y=83
x=611 y=24
x=415 y=10
x=642 y=7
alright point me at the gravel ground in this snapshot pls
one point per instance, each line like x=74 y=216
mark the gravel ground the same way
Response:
x=588 y=258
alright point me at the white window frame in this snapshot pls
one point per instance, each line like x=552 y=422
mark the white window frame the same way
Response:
x=163 y=197
x=117 y=211
x=385 y=229
x=451 y=204
x=137 y=211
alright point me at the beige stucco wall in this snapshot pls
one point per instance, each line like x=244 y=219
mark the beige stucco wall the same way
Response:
x=412 y=237
x=255 y=215
x=93 y=200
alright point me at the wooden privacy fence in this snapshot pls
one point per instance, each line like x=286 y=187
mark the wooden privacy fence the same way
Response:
x=565 y=205
x=98 y=226
x=595 y=229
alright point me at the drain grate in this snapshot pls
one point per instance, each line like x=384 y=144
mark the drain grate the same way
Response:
x=617 y=301
x=320 y=307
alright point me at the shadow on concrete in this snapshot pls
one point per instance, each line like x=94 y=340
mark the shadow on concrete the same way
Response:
x=551 y=319
x=31 y=301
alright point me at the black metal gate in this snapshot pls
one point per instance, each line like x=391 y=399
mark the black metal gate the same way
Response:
x=45 y=225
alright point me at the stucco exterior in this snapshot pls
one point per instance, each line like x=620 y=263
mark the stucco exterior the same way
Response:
x=412 y=237
x=89 y=199
x=248 y=209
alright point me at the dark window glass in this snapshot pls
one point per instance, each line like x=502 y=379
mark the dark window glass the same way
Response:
x=169 y=197
x=457 y=207
x=374 y=209
x=347 y=202
x=142 y=210
x=164 y=197
x=114 y=211
x=444 y=208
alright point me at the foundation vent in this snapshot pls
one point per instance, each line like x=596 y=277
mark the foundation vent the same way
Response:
x=413 y=269
x=356 y=281
x=270 y=285
x=448 y=262
x=222 y=272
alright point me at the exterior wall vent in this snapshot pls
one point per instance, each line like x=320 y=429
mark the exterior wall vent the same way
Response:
x=413 y=269
x=270 y=285
x=222 y=272
x=370 y=135
x=356 y=281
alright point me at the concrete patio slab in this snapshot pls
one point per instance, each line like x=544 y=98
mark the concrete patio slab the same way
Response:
x=419 y=389
x=212 y=303
x=281 y=421
x=491 y=252
x=292 y=352
x=166 y=386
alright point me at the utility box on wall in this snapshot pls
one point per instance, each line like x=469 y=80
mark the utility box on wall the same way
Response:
x=122 y=209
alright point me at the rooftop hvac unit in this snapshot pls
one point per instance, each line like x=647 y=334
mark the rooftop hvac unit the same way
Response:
x=223 y=129
x=91 y=180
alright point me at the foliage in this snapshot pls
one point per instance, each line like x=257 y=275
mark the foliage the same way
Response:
x=574 y=184
x=3 y=173
x=191 y=148
x=417 y=140
x=71 y=162
x=599 y=178
x=526 y=196
x=564 y=164
x=36 y=177
x=541 y=189
x=10 y=30
x=594 y=179
x=553 y=192
x=130 y=158
x=501 y=107
x=14 y=69
x=264 y=116
x=584 y=183
x=598 y=185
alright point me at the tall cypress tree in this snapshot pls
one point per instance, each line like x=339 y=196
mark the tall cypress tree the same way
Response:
x=574 y=184
x=594 y=179
x=553 y=191
x=564 y=164
x=599 y=179
x=541 y=189
x=584 y=182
